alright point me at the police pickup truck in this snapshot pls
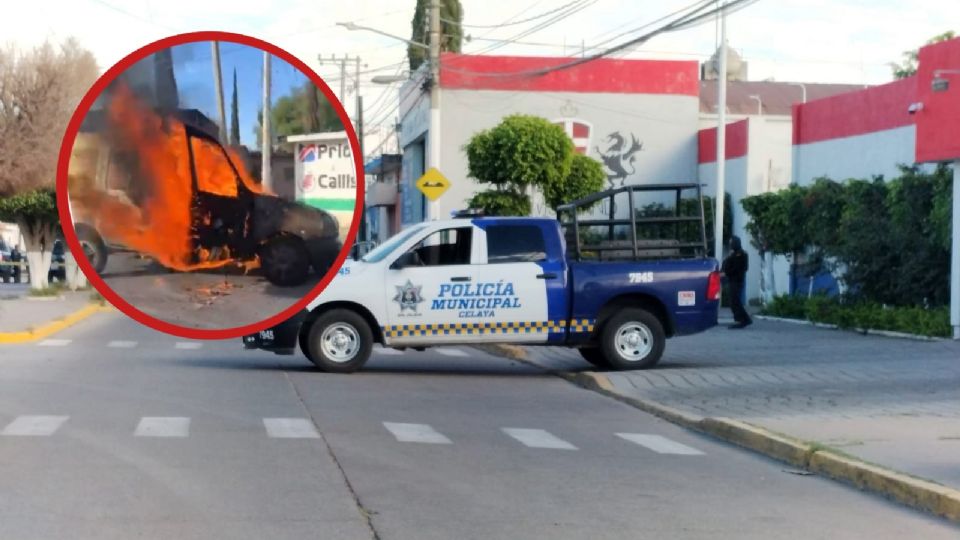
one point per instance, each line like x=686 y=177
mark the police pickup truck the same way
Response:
x=614 y=288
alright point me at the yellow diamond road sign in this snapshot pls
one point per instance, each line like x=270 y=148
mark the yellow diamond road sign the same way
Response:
x=433 y=184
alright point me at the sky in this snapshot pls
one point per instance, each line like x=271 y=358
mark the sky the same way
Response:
x=841 y=41
x=193 y=70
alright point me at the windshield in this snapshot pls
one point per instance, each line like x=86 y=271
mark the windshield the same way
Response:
x=380 y=252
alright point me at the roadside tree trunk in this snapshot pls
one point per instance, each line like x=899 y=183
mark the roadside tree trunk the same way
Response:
x=38 y=237
x=75 y=277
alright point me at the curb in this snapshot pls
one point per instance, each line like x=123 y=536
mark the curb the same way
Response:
x=863 y=331
x=52 y=327
x=913 y=492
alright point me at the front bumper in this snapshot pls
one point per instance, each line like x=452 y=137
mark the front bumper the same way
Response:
x=280 y=339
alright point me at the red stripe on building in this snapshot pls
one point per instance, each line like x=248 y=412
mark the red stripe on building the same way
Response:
x=736 y=142
x=938 y=123
x=677 y=77
x=877 y=108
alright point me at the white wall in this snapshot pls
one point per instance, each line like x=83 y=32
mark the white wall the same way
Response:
x=859 y=156
x=666 y=125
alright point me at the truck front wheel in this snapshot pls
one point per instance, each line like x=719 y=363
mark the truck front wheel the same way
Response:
x=633 y=339
x=339 y=341
x=285 y=261
x=93 y=246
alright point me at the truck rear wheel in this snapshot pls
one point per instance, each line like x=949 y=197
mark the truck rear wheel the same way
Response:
x=633 y=339
x=339 y=341
x=285 y=261
x=93 y=246
x=595 y=356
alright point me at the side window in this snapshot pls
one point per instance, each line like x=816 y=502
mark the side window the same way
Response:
x=445 y=247
x=515 y=243
x=214 y=173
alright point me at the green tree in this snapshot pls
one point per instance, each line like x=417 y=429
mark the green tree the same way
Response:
x=521 y=151
x=234 y=114
x=39 y=90
x=908 y=66
x=451 y=30
x=305 y=110
x=586 y=176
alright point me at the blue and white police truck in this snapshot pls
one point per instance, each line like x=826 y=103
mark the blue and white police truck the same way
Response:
x=614 y=287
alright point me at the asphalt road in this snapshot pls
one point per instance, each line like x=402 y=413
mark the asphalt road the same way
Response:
x=110 y=430
x=208 y=299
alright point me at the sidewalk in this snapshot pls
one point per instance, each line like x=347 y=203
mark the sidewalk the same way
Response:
x=20 y=312
x=892 y=402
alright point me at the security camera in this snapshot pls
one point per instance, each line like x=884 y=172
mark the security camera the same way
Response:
x=914 y=107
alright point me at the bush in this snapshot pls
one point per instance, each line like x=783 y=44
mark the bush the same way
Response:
x=862 y=316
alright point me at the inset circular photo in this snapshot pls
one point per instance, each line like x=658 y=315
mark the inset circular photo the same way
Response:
x=209 y=185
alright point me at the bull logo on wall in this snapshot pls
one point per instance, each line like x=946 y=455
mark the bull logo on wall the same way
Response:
x=619 y=159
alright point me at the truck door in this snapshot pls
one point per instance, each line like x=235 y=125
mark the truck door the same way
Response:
x=519 y=253
x=419 y=283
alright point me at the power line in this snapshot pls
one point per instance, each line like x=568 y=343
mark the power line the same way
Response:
x=514 y=23
x=545 y=24
x=686 y=21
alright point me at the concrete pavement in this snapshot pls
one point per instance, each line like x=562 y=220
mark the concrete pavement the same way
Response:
x=110 y=430
x=894 y=402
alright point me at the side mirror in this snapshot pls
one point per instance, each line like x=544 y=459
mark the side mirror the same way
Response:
x=409 y=258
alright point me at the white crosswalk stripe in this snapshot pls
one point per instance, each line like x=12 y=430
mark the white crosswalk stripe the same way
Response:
x=453 y=352
x=54 y=343
x=34 y=425
x=122 y=344
x=418 y=433
x=538 y=438
x=388 y=351
x=659 y=444
x=163 y=426
x=188 y=345
x=290 y=428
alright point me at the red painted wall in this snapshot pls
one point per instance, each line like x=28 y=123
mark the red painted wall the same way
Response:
x=876 y=108
x=736 y=142
x=938 y=124
x=459 y=71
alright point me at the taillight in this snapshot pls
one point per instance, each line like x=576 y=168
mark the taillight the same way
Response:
x=713 y=286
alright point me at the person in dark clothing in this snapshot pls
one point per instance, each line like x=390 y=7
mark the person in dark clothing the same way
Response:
x=16 y=257
x=735 y=268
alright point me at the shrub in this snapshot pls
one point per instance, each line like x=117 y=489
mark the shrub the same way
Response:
x=862 y=316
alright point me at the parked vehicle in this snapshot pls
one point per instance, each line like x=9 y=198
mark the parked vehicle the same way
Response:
x=58 y=269
x=616 y=295
x=6 y=268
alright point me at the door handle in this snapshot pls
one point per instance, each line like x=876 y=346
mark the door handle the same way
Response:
x=549 y=275
x=460 y=278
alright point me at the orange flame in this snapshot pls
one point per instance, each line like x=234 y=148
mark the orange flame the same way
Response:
x=161 y=226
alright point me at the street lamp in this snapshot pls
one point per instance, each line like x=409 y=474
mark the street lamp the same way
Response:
x=802 y=87
x=354 y=26
x=759 y=103
x=390 y=79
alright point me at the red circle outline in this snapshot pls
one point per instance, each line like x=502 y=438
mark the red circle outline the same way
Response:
x=66 y=148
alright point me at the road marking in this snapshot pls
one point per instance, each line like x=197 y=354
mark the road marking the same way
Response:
x=418 y=433
x=290 y=428
x=54 y=343
x=163 y=426
x=188 y=345
x=453 y=352
x=122 y=344
x=660 y=445
x=538 y=438
x=384 y=350
x=34 y=426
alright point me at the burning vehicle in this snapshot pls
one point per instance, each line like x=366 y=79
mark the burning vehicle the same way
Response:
x=156 y=184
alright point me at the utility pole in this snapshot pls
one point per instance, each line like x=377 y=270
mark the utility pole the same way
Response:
x=266 y=137
x=955 y=254
x=721 y=138
x=434 y=138
x=362 y=202
x=218 y=89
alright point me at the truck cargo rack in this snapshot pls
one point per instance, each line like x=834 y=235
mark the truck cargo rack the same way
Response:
x=638 y=243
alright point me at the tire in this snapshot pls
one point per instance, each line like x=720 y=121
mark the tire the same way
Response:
x=633 y=339
x=304 y=340
x=93 y=247
x=344 y=356
x=285 y=261
x=595 y=356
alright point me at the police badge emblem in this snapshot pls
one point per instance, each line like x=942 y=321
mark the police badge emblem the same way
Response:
x=408 y=296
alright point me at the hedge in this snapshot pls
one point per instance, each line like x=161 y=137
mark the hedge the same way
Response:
x=862 y=315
